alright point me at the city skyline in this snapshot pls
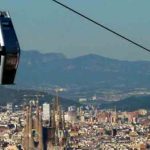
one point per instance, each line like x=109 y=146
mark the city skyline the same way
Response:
x=76 y=127
x=54 y=29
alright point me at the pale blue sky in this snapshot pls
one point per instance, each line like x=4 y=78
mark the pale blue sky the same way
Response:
x=47 y=27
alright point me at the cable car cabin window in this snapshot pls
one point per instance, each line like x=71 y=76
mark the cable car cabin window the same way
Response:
x=10 y=39
x=6 y=25
x=11 y=62
x=1 y=48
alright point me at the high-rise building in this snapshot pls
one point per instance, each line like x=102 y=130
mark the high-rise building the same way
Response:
x=9 y=107
x=46 y=112
x=72 y=108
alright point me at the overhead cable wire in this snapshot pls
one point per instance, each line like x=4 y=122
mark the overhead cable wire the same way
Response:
x=102 y=26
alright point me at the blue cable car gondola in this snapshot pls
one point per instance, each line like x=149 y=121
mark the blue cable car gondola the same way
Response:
x=9 y=49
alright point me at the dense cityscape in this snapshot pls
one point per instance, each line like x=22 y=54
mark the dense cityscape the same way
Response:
x=50 y=127
x=104 y=104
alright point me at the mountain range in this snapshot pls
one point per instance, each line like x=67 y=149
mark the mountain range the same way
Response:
x=37 y=69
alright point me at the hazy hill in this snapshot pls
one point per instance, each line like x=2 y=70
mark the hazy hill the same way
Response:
x=37 y=69
x=131 y=103
x=21 y=96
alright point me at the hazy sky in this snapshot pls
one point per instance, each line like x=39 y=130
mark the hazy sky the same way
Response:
x=47 y=27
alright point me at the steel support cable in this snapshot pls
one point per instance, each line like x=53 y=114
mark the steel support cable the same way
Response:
x=102 y=26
